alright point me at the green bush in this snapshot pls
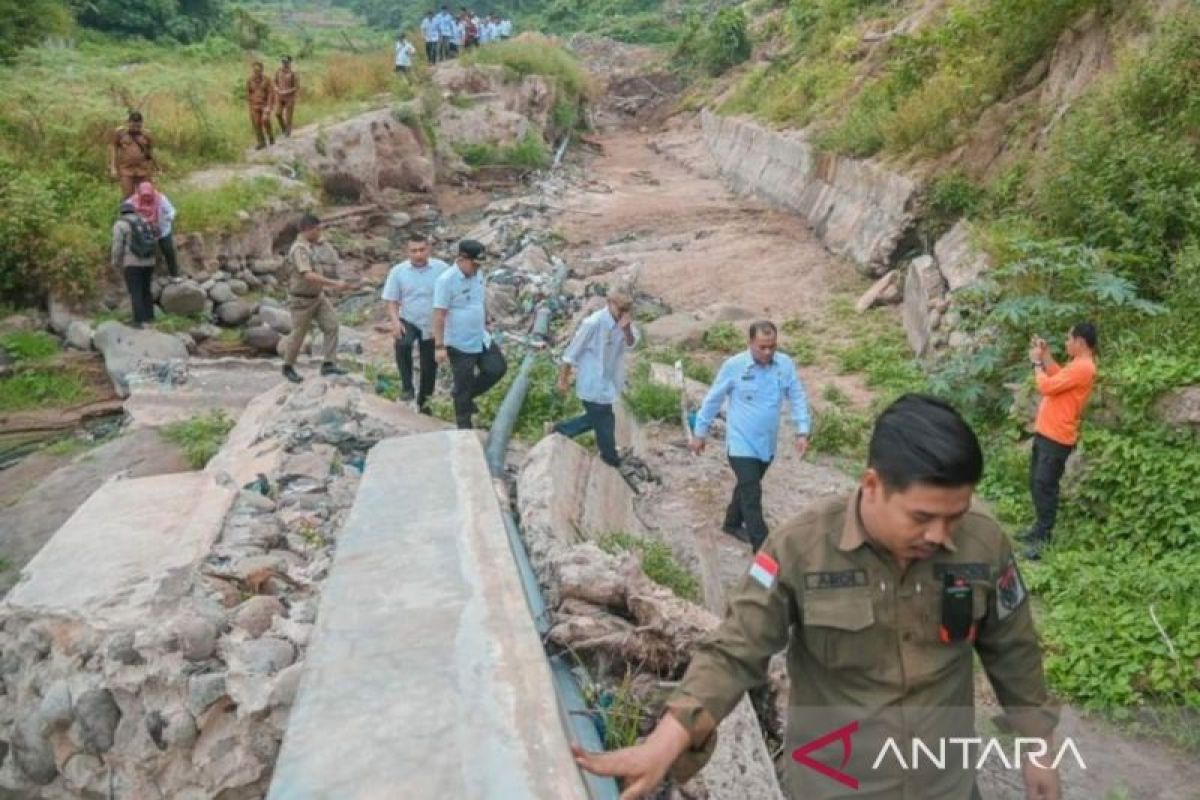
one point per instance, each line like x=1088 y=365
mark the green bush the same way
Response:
x=649 y=400
x=200 y=437
x=42 y=387
x=841 y=432
x=27 y=23
x=658 y=562
x=724 y=337
x=536 y=56
x=530 y=152
x=181 y=20
x=716 y=45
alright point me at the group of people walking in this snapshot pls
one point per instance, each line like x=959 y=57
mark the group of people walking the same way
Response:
x=447 y=34
x=277 y=94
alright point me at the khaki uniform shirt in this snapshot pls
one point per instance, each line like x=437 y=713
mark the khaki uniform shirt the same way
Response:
x=300 y=260
x=865 y=656
x=258 y=91
x=134 y=153
x=285 y=86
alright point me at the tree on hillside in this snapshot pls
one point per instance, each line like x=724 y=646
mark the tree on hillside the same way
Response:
x=25 y=23
x=183 y=20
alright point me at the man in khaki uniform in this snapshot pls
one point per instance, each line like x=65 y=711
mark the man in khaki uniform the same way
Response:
x=287 y=86
x=258 y=95
x=881 y=600
x=131 y=155
x=307 y=301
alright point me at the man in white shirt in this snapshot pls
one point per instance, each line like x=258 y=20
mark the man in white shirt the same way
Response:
x=404 y=54
x=506 y=28
x=429 y=32
x=445 y=23
x=408 y=293
x=596 y=355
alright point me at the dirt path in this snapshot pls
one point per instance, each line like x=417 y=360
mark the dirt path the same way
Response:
x=655 y=201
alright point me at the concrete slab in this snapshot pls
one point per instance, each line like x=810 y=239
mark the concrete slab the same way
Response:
x=426 y=678
x=228 y=384
x=121 y=555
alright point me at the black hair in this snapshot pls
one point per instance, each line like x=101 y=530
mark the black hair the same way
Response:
x=309 y=221
x=1087 y=332
x=135 y=116
x=763 y=326
x=921 y=439
x=417 y=236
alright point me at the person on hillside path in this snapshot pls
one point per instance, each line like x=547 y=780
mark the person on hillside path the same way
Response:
x=430 y=35
x=134 y=245
x=596 y=358
x=408 y=292
x=1065 y=392
x=882 y=599
x=259 y=97
x=404 y=54
x=460 y=332
x=445 y=26
x=755 y=382
x=470 y=28
x=307 y=302
x=154 y=207
x=286 y=88
x=131 y=155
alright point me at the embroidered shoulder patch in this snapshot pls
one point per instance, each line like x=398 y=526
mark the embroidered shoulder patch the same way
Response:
x=1010 y=589
x=764 y=570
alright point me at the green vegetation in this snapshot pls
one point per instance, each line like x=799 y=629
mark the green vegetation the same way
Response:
x=200 y=437
x=535 y=55
x=648 y=400
x=658 y=562
x=637 y=21
x=528 y=153
x=40 y=387
x=724 y=337
x=29 y=345
x=714 y=45
x=693 y=366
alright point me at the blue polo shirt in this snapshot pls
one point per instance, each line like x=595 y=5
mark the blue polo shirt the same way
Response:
x=463 y=300
x=412 y=288
x=755 y=393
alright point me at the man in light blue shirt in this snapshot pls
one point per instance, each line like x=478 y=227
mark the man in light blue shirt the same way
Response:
x=756 y=382
x=596 y=354
x=429 y=32
x=408 y=293
x=460 y=331
x=445 y=23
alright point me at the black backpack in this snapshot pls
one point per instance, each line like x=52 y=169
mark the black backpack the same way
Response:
x=143 y=241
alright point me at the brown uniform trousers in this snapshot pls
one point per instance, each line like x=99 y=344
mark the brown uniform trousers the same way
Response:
x=134 y=159
x=308 y=304
x=258 y=95
x=286 y=86
x=866 y=656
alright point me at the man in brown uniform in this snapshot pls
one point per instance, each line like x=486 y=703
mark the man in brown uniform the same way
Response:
x=258 y=95
x=307 y=301
x=131 y=155
x=287 y=84
x=881 y=599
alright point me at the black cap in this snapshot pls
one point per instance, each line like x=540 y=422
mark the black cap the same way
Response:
x=127 y=208
x=471 y=249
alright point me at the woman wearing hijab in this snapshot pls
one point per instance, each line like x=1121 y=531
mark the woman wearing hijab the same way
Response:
x=154 y=207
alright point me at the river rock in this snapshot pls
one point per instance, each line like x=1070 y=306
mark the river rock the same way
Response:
x=235 y=312
x=221 y=293
x=127 y=351
x=185 y=297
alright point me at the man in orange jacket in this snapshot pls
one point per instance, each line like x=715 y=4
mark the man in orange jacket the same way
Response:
x=1065 y=392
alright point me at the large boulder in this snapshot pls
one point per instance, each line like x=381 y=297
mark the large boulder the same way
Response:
x=235 y=312
x=959 y=261
x=262 y=338
x=1180 y=408
x=79 y=335
x=276 y=318
x=924 y=296
x=888 y=290
x=359 y=158
x=222 y=293
x=185 y=297
x=130 y=353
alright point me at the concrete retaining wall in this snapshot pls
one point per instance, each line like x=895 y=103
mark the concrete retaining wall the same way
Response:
x=856 y=207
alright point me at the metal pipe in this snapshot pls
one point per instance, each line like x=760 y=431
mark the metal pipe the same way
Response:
x=577 y=717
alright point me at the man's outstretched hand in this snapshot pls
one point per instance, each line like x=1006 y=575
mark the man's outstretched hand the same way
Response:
x=640 y=768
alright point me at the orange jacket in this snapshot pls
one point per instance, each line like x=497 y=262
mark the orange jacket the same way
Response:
x=1065 y=392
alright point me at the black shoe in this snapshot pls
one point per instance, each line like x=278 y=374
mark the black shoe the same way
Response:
x=328 y=369
x=737 y=533
x=407 y=396
x=290 y=373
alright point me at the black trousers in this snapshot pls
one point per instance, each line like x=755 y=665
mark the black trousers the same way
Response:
x=167 y=245
x=474 y=374
x=137 y=280
x=1046 y=465
x=599 y=418
x=746 y=506
x=431 y=52
x=404 y=362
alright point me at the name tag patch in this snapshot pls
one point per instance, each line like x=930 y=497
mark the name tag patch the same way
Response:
x=970 y=571
x=843 y=579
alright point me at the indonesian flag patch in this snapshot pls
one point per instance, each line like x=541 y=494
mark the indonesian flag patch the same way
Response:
x=764 y=569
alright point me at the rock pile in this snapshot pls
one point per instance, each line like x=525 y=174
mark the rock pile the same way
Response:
x=177 y=682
